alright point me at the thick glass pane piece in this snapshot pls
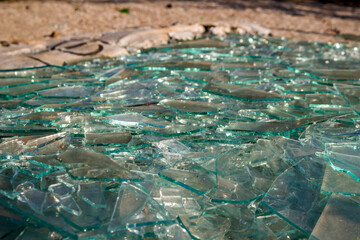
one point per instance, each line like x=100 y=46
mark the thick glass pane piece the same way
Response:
x=61 y=189
x=339 y=182
x=92 y=193
x=241 y=93
x=197 y=180
x=134 y=207
x=69 y=204
x=350 y=94
x=201 y=43
x=193 y=107
x=344 y=157
x=274 y=126
x=44 y=233
x=108 y=138
x=294 y=149
x=135 y=119
x=176 y=65
x=295 y=195
x=124 y=73
x=339 y=220
x=34 y=198
x=84 y=164
x=71 y=92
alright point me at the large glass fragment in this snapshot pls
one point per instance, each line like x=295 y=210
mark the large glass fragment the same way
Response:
x=134 y=207
x=295 y=195
x=83 y=164
x=241 y=93
x=340 y=219
x=344 y=157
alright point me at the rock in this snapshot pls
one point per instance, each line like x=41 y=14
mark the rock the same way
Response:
x=220 y=30
x=80 y=47
x=59 y=58
x=113 y=38
x=16 y=62
x=145 y=39
x=253 y=29
x=186 y=32
x=21 y=49
x=113 y=51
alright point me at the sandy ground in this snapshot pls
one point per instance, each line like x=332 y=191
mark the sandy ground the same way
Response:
x=34 y=21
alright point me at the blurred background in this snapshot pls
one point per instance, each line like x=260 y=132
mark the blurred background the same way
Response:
x=38 y=20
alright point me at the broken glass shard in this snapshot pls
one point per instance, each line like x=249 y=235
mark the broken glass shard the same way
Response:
x=344 y=157
x=242 y=93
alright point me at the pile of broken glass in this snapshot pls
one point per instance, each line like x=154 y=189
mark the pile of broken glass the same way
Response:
x=244 y=137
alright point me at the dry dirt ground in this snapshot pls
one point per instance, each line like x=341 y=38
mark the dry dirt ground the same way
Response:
x=36 y=21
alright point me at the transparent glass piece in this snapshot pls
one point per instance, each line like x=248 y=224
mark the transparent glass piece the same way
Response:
x=108 y=138
x=6 y=186
x=176 y=65
x=272 y=226
x=207 y=226
x=339 y=219
x=125 y=73
x=199 y=43
x=350 y=95
x=339 y=182
x=28 y=90
x=295 y=195
x=173 y=130
x=84 y=164
x=61 y=189
x=330 y=132
x=193 y=107
x=241 y=191
x=294 y=149
x=34 y=198
x=276 y=127
x=323 y=100
x=135 y=207
x=173 y=232
x=344 y=157
x=67 y=203
x=134 y=120
x=197 y=180
x=305 y=89
x=173 y=146
x=44 y=233
x=13 y=146
x=241 y=93
x=49 y=144
x=92 y=193
x=71 y=92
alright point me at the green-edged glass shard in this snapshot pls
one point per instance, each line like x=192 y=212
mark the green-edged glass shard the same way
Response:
x=340 y=219
x=295 y=195
x=241 y=93
x=83 y=164
x=344 y=157
x=134 y=208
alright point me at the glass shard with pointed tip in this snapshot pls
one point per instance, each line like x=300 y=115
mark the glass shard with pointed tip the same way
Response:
x=134 y=207
x=344 y=157
x=84 y=164
x=92 y=193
